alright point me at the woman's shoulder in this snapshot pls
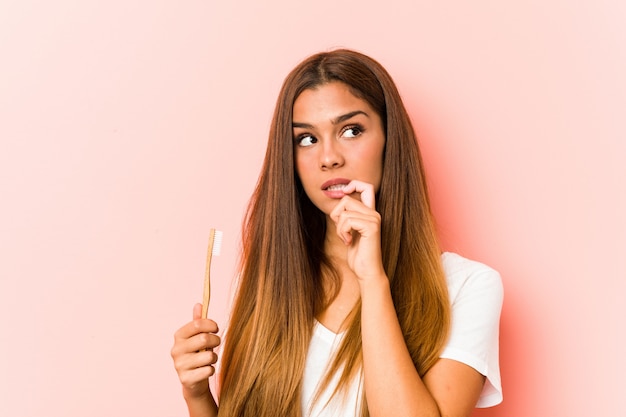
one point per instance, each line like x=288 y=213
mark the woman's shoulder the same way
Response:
x=463 y=274
x=476 y=295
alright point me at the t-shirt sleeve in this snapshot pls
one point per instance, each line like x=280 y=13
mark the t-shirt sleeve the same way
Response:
x=476 y=296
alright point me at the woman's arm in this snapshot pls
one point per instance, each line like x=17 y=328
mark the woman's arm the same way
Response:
x=194 y=359
x=203 y=406
x=392 y=384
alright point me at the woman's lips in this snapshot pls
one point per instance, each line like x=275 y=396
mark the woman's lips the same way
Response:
x=333 y=188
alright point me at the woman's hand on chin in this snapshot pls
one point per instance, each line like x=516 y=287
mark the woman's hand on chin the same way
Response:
x=357 y=224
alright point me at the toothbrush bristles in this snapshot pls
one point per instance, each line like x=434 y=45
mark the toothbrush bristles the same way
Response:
x=217 y=242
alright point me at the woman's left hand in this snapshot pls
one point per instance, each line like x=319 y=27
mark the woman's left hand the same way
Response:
x=358 y=226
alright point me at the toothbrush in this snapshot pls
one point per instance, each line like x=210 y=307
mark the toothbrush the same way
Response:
x=215 y=246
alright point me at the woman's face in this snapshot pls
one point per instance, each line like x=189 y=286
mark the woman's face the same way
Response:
x=338 y=138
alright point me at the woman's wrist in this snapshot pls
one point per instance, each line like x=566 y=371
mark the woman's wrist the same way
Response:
x=200 y=404
x=196 y=393
x=374 y=285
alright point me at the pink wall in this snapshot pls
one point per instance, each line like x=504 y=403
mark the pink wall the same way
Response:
x=129 y=128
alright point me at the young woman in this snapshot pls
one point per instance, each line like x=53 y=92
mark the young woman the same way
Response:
x=346 y=305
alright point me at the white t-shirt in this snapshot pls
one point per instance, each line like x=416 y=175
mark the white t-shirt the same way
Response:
x=475 y=292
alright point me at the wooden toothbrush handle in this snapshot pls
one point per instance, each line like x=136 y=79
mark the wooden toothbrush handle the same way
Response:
x=206 y=295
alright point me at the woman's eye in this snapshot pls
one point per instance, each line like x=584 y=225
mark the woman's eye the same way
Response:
x=352 y=132
x=306 y=140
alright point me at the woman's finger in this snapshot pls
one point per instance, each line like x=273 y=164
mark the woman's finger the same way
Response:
x=194 y=376
x=366 y=191
x=196 y=343
x=195 y=327
x=363 y=224
x=195 y=360
x=349 y=204
x=203 y=341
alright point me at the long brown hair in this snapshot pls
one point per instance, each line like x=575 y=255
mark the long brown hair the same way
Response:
x=280 y=289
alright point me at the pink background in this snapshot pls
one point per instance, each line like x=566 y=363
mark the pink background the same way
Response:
x=129 y=128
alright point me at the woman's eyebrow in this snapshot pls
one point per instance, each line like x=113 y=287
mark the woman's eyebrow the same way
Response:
x=348 y=116
x=334 y=121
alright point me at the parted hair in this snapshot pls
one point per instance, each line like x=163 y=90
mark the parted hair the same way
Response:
x=284 y=272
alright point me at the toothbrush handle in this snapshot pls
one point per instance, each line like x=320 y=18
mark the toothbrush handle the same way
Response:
x=206 y=296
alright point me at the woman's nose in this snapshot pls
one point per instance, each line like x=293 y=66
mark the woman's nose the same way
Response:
x=331 y=156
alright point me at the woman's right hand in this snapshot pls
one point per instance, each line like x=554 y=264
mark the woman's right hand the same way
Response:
x=193 y=354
